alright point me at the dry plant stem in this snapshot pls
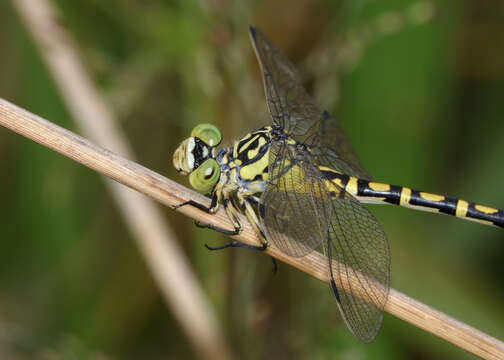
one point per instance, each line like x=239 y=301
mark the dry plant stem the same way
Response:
x=166 y=260
x=171 y=194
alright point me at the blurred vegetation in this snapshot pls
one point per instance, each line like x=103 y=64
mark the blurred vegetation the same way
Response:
x=423 y=106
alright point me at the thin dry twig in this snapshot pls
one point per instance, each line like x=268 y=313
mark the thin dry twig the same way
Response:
x=166 y=260
x=170 y=193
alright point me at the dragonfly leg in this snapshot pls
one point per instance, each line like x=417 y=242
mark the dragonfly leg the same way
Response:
x=251 y=216
x=254 y=201
x=235 y=244
x=275 y=265
x=245 y=202
x=218 y=229
x=232 y=215
x=214 y=205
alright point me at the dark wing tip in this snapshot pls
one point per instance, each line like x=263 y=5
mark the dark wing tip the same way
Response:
x=253 y=31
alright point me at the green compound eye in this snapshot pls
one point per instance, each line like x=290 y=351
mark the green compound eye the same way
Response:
x=204 y=178
x=208 y=133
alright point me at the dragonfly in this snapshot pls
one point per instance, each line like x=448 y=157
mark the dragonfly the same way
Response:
x=301 y=186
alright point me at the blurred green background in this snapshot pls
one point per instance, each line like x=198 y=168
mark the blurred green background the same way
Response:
x=422 y=104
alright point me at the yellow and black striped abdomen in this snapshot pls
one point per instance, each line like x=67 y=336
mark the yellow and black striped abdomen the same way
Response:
x=372 y=192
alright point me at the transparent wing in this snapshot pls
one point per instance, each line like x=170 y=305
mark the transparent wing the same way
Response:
x=299 y=215
x=292 y=207
x=294 y=110
x=359 y=263
x=331 y=148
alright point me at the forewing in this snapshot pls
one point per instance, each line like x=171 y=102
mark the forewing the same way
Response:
x=293 y=109
x=359 y=259
x=288 y=103
x=292 y=207
x=331 y=148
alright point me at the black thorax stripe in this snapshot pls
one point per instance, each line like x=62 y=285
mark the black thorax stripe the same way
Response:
x=250 y=144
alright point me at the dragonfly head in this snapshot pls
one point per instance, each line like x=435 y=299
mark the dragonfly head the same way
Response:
x=196 y=157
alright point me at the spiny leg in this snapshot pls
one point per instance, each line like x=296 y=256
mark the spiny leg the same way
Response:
x=214 y=205
x=252 y=218
x=254 y=221
x=232 y=215
x=245 y=202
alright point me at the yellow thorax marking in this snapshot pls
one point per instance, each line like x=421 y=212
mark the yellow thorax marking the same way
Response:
x=431 y=197
x=248 y=172
x=232 y=174
x=253 y=152
x=236 y=151
x=485 y=209
x=325 y=168
x=247 y=144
